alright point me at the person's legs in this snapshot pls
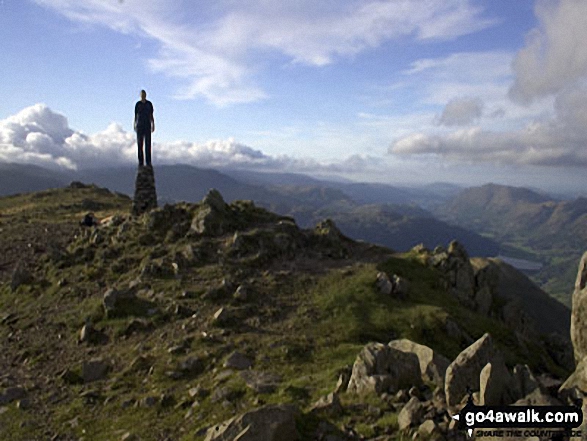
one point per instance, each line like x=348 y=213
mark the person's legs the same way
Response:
x=140 y=136
x=148 y=146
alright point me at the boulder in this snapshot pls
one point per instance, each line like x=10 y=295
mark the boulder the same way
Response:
x=411 y=414
x=432 y=364
x=429 y=430
x=579 y=312
x=380 y=368
x=383 y=284
x=464 y=371
x=20 y=276
x=89 y=334
x=494 y=384
x=11 y=394
x=116 y=302
x=94 y=370
x=238 y=361
x=267 y=423
x=261 y=382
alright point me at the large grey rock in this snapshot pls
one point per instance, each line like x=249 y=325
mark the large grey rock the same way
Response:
x=411 y=414
x=495 y=384
x=267 y=423
x=579 y=312
x=464 y=371
x=380 y=368
x=432 y=364
x=145 y=197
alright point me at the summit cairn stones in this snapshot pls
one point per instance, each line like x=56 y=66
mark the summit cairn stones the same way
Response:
x=145 y=192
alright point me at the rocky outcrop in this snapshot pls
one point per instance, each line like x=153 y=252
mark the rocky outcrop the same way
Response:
x=211 y=218
x=454 y=264
x=268 y=423
x=463 y=373
x=579 y=312
x=145 y=197
x=380 y=368
x=432 y=364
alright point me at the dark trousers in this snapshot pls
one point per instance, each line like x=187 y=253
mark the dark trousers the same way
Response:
x=144 y=134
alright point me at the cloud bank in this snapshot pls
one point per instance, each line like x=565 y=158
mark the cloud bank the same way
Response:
x=41 y=136
x=213 y=47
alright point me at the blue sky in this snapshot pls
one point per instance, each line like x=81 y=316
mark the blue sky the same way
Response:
x=468 y=91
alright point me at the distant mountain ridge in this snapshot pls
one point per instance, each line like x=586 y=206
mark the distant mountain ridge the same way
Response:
x=528 y=225
x=379 y=213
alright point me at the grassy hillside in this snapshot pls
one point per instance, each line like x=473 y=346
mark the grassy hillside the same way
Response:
x=311 y=305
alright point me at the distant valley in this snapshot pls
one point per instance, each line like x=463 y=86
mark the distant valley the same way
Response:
x=491 y=220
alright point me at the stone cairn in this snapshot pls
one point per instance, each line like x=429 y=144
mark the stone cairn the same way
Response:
x=145 y=192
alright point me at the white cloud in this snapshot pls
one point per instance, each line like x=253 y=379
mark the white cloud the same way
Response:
x=555 y=54
x=556 y=141
x=42 y=136
x=545 y=125
x=461 y=112
x=214 y=47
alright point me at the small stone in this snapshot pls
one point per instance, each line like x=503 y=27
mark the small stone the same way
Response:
x=94 y=370
x=329 y=404
x=148 y=402
x=221 y=317
x=241 y=293
x=410 y=414
x=238 y=361
x=12 y=394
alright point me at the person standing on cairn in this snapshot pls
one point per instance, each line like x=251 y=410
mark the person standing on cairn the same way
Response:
x=144 y=125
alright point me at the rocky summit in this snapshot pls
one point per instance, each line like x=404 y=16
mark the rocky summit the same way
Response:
x=221 y=320
x=145 y=197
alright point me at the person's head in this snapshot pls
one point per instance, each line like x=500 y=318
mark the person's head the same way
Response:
x=143 y=95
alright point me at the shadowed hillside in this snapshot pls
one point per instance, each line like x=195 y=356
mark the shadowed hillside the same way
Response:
x=164 y=325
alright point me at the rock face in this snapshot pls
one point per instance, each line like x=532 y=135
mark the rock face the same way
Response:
x=145 y=198
x=380 y=368
x=464 y=371
x=579 y=312
x=455 y=265
x=268 y=423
